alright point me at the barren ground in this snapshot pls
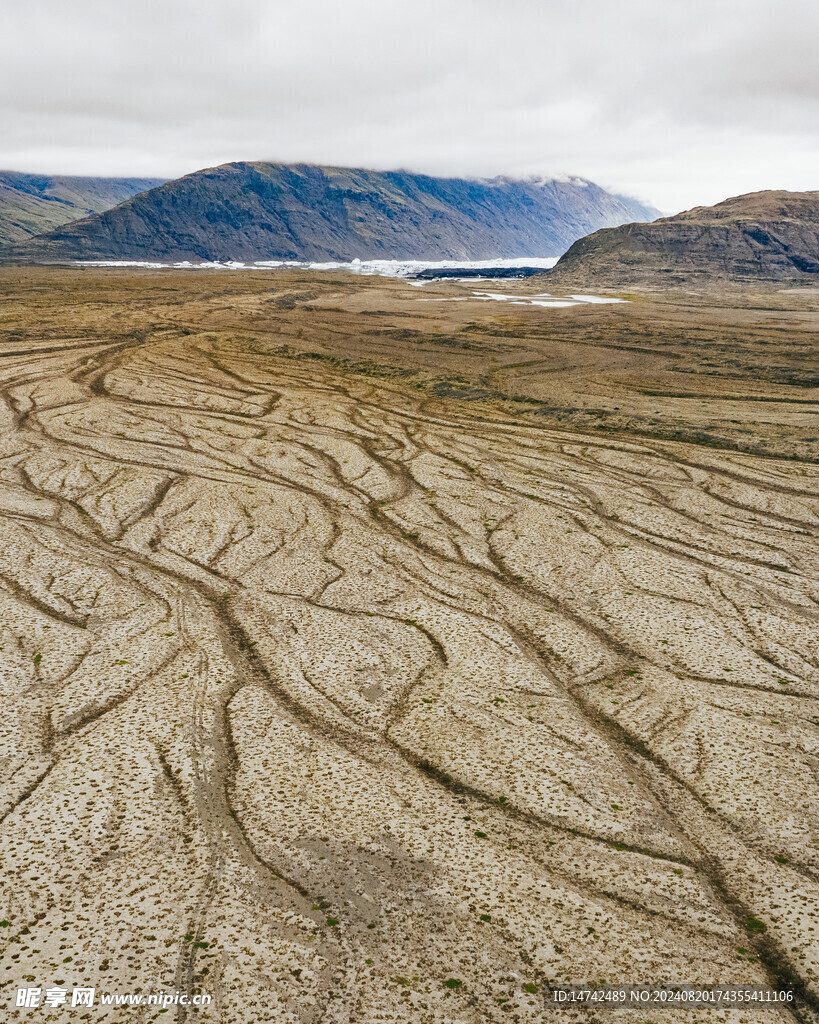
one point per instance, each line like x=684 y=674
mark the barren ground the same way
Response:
x=356 y=640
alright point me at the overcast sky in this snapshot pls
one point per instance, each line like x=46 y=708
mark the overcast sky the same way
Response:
x=680 y=102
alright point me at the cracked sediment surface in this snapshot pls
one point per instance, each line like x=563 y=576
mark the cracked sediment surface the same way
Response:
x=322 y=689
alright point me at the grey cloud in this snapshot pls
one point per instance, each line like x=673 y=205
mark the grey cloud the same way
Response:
x=678 y=102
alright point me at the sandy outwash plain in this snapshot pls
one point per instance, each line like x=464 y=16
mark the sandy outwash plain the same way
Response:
x=369 y=656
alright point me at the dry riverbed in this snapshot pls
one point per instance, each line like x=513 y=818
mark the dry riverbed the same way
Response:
x=368 y=656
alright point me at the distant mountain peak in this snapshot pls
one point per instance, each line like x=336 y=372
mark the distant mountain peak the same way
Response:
x=771 y=235
x=33 y=203
x=260 y=211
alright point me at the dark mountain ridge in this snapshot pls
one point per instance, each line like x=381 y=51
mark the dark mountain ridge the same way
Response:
x=772 y=235
x=33 y=203
x=261 y=211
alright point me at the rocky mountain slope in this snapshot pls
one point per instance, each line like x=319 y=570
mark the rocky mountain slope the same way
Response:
x=768 y=235
x=33 y=203
x=261 y=211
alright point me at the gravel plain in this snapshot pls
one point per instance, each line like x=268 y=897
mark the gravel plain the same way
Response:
x=357 y=673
